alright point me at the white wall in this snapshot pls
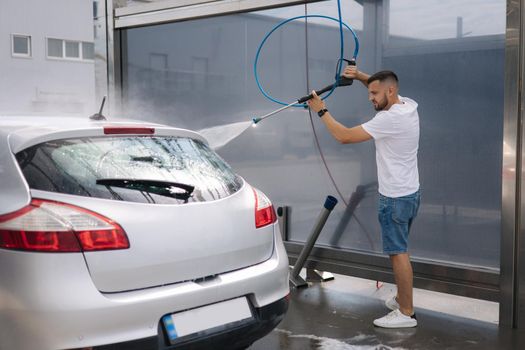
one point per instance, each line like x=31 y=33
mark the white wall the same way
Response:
x=38 y=84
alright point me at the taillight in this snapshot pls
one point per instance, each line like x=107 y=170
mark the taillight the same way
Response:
x=121 y=129
x=264 y=212
x=49 y=226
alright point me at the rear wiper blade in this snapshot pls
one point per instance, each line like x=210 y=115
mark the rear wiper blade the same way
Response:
x=163 y=188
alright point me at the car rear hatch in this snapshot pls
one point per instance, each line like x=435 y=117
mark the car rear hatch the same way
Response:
x=186 y=214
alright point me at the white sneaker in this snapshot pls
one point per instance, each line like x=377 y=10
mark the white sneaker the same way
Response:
x=396 y=319
x=392 y=303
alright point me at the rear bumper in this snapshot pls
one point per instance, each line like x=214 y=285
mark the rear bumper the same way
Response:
x=48 y=301
x=237 y=337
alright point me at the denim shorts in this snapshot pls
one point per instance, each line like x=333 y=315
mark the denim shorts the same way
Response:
x=396 y=216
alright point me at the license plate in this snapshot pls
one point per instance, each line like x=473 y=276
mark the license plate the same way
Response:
x=200 y=319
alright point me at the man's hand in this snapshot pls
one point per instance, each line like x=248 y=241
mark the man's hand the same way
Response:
x=315 y=103
x=350 y=72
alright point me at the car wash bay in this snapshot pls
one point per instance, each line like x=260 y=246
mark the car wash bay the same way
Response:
x=467 y=238
x=338 y=315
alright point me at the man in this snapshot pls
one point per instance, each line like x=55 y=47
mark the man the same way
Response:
x=395 y=130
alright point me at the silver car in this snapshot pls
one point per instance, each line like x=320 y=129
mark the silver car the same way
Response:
x=123 y=232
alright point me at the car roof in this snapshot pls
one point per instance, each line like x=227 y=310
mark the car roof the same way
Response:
x=26 y=131
x=20 y=132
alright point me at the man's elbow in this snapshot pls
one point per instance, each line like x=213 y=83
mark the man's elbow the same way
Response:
x=343 y=139
x=345 y=136
x=346 y=139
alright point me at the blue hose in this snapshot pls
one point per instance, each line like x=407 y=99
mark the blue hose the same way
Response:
x=339 y=65
x=341 y=43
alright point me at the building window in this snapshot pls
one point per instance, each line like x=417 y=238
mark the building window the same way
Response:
x=70 y=50
x=88 y=51
x=55 y=48
x=21 y=45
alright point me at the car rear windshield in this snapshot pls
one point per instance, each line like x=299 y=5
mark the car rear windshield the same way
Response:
x=74 y=166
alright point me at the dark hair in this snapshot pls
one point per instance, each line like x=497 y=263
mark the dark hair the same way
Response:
x=383 y=76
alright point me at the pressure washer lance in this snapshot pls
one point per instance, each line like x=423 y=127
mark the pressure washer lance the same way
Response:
x=341 y=82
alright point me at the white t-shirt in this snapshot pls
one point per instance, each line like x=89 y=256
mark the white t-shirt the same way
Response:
x=396 y=136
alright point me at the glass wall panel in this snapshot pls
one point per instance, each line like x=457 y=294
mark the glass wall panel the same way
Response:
x=441 y=64
x=199 y=74
x=446 y=19
x=350 y=169
x=441 y=50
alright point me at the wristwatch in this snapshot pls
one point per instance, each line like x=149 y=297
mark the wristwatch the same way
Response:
x=322 y=112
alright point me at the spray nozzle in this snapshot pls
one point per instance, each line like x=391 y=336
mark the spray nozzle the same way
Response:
x=256 y=120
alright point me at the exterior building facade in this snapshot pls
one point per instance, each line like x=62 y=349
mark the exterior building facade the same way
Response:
x=46 y=57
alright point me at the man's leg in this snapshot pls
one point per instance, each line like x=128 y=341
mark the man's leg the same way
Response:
x=404 y=282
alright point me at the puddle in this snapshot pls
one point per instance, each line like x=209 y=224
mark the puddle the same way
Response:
x=324 y=343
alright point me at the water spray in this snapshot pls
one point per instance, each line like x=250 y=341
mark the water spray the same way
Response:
x=342 y=81
x=218 y=136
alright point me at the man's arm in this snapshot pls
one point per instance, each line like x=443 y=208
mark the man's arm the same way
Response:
x=343 y=134
x=340 y=132
x=351 y=72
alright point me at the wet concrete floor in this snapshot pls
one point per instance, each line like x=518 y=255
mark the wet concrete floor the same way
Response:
x=338 y=315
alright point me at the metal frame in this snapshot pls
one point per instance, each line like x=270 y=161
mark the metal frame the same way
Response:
x=376 y=22
x=447 y=278
x=108 y=66
x=516 y=75
x=101 y=44
x=512 y=195
x=192 y=9
x=479 y=283
x=157 y=6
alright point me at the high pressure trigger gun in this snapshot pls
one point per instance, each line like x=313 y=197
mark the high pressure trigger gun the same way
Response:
x=341 y=82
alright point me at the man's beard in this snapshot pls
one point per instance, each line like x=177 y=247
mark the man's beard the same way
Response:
x=381 y=105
